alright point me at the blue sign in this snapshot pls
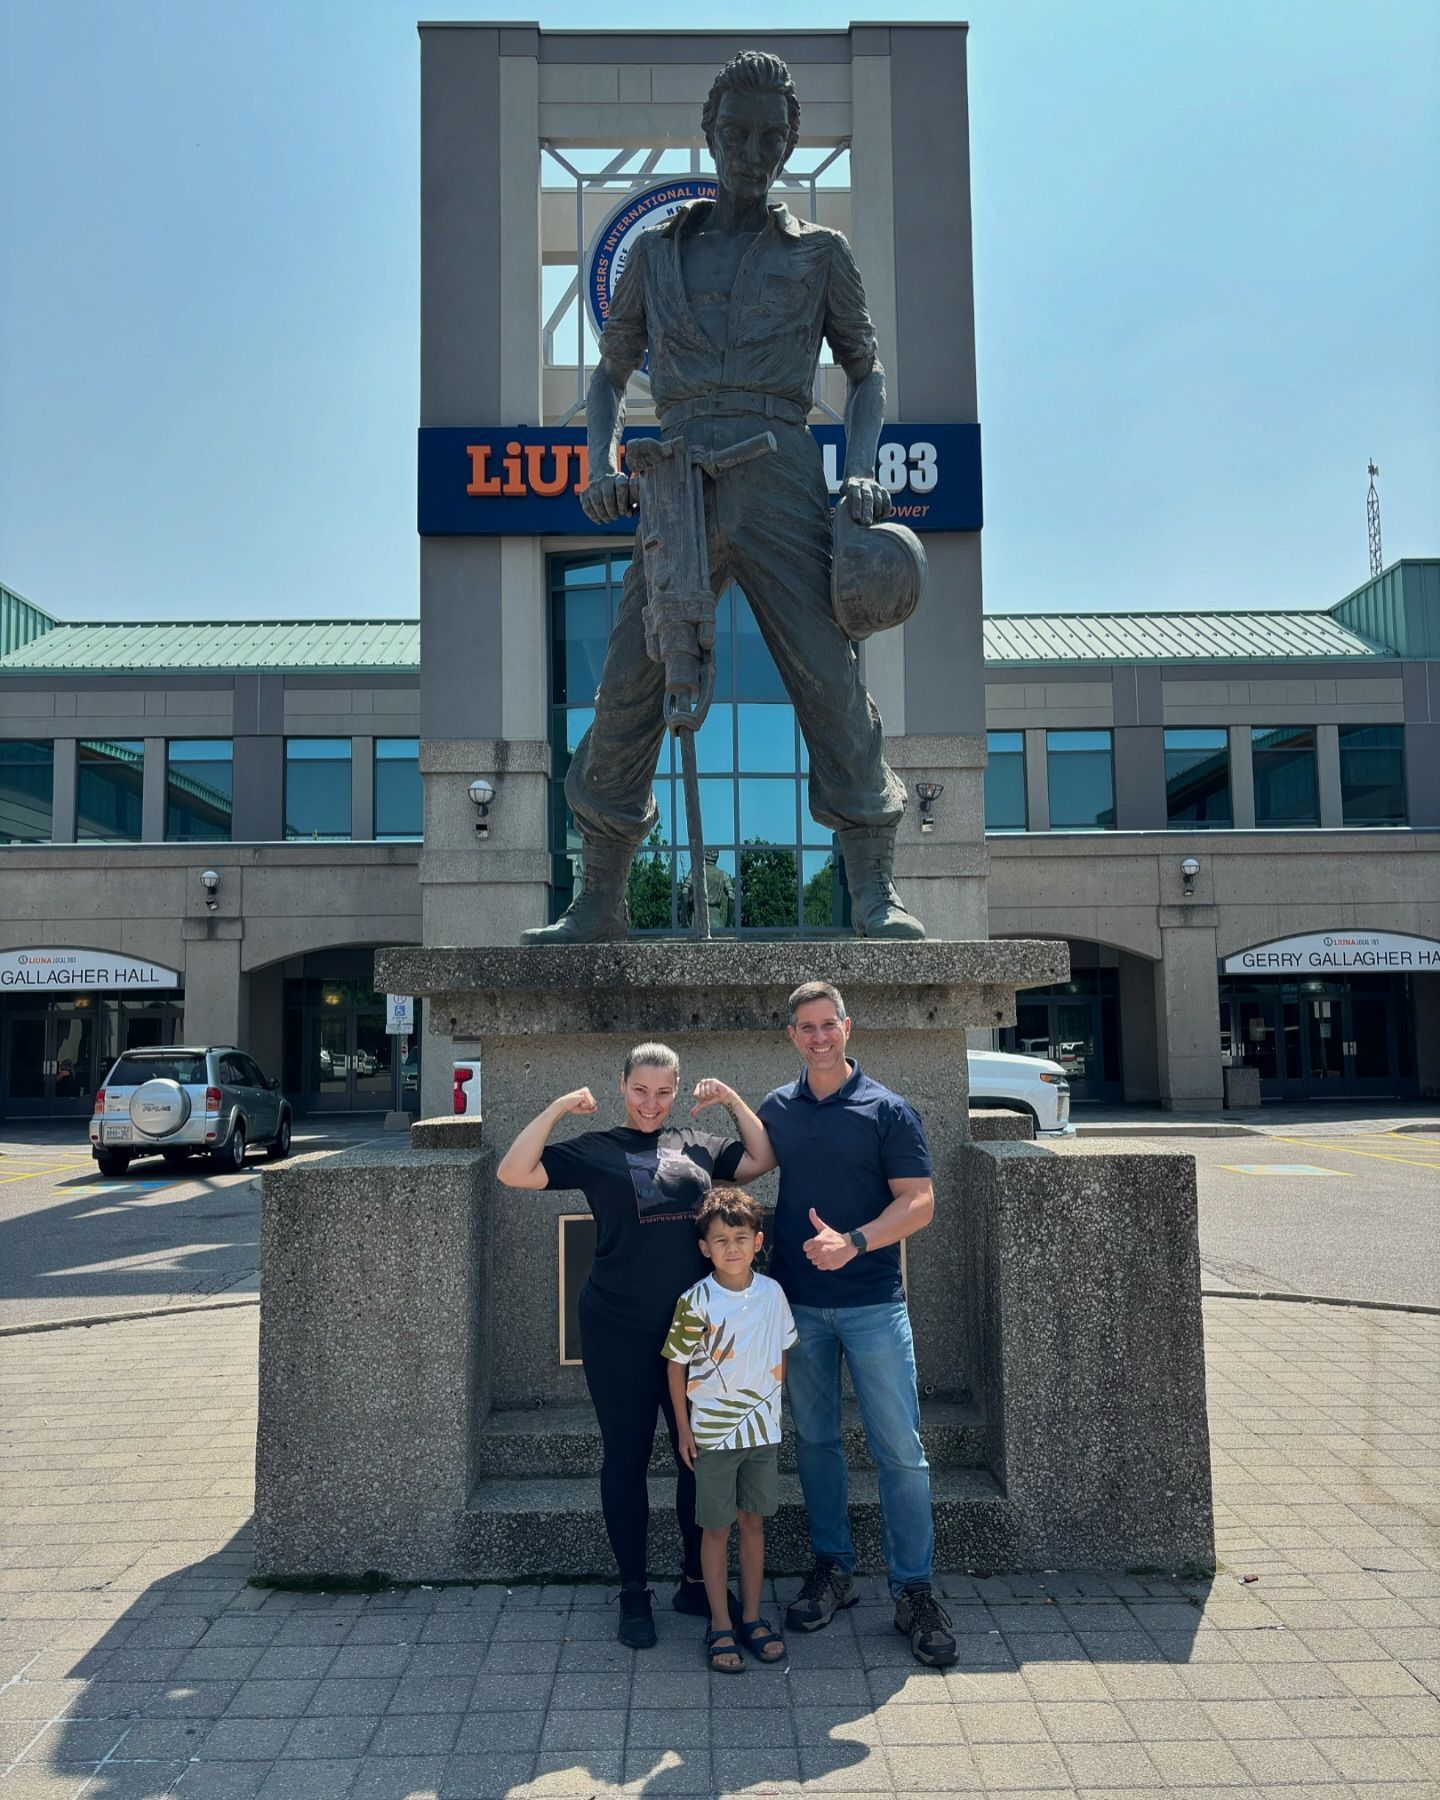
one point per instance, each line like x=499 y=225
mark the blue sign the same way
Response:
x=611 y=246
x=487 y=481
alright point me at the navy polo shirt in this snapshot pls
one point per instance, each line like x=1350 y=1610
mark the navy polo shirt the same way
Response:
x=840 y=1155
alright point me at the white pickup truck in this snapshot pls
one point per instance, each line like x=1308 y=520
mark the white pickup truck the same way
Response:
x=1030 y=1084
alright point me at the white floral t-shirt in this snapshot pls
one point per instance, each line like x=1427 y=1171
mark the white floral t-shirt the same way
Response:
x=734 y=1342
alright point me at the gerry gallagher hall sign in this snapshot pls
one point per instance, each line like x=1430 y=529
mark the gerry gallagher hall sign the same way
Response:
x=40 y=971
x=1386 y=950
x=525 y=481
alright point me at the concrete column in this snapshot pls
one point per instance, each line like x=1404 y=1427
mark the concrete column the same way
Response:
x=362 y=788
x=942 y=873
x=1187 y=1009
x=1327 y=776
x=264 y=1028
x=215 y=999
x=259 y=776
x=1242 y=778
x=517 y=177
x=1422 y=790
x=152 y=792
x=1426 y=991
x=1037 y=780
x=62 y=821
x=1139 y=763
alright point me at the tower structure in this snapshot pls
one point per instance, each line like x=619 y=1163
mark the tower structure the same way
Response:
x=1372 y=520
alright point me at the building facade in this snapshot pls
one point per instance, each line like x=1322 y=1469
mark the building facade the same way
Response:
x=1290 y=756
x=321 y=771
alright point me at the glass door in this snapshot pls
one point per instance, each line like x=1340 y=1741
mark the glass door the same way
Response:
x=373 y=1064
x=1325 y=1045
x=327 y=1061
x=27 y=1070
x=1370 y=1046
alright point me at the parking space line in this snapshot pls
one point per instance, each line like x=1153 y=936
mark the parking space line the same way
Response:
x=52 y=1169
x=1314 y=1144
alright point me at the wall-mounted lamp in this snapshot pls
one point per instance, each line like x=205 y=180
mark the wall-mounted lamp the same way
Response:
x=482 y=794
x=210 y=881
x=928 y=792
x=1190 y=868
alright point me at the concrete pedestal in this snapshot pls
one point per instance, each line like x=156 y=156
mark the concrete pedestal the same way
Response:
x=441 y=1344
x=1242 y=1088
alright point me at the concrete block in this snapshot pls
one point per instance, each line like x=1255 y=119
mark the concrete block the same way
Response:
x=456 y=1132
x=1091 y=1352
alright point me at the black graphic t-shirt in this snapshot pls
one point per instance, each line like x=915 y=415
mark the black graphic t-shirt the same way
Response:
x=644 y=1188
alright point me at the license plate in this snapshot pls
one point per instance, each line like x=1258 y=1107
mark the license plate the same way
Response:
x=116 y=1134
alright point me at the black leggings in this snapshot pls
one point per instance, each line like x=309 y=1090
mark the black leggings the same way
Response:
x=626 y=1375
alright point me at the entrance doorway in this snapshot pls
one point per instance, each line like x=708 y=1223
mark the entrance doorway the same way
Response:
x=54 y=1055
x=338 y=1056
x=1077 y=1025
x=1342 y=1039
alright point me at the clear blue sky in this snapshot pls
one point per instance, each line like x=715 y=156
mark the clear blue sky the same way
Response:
x=1208 y=288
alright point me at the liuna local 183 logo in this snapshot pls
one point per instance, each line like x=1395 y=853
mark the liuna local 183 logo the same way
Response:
x=610 y=248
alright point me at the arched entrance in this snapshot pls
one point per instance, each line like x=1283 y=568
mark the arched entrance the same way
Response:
x=1088 y=1023
x=337 y=1055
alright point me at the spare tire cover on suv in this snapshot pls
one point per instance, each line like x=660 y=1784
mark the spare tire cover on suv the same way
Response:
x=159 y=1107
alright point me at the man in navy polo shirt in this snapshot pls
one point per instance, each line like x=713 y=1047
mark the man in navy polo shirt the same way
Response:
x=854 y=1181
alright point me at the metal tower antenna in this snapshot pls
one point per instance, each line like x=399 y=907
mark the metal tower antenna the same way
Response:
x=1372 y=520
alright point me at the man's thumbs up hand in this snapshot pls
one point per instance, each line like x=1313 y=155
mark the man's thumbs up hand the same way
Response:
x=828 y=1249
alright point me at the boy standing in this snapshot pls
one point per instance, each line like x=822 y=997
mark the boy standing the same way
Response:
x=726 y=1351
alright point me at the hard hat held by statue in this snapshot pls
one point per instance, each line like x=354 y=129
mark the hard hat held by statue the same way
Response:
x=731 y=299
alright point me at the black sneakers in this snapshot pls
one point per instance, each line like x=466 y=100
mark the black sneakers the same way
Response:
x=691 y=1598
x=637 y=1623
x=927 y=1625
x=826 y=1590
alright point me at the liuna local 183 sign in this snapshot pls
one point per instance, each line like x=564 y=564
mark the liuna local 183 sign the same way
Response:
x=526 y=481
x=1322 y=950
x=43 y=971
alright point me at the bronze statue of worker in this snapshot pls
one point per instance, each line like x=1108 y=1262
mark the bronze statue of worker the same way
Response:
x=731 y=299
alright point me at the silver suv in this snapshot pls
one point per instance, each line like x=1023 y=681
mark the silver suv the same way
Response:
x=178 y=1102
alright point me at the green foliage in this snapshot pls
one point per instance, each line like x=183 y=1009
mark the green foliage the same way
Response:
x=820 y=895
x=769 y=878
x=648 y=889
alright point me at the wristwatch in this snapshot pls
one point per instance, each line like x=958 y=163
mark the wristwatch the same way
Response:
x=857 y=1238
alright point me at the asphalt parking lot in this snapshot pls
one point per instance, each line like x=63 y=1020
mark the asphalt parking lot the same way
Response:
x=76 y=1245
x=1349 y=1213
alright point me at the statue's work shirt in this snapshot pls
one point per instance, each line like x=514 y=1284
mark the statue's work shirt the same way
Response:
x=797 y=284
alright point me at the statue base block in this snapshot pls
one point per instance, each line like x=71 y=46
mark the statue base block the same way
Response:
x=416 y=1416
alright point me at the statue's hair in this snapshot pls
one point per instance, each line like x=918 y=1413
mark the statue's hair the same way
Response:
x=754 y=72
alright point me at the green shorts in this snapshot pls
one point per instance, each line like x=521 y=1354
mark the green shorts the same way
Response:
x=731 y=1480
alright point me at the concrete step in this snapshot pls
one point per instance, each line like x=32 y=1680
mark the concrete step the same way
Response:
x=539 y=1526
x=565 y=1440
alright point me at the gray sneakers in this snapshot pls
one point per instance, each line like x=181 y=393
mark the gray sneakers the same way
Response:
x=825 y=1591
x=927 y=1625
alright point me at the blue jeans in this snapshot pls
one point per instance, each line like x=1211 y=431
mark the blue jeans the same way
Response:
x=880 y=1354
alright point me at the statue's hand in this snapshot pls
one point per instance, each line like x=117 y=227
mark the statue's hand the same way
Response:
x=869 y=503
x=608 y=497
x=644 y=454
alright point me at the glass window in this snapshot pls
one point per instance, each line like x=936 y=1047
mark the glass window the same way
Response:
x=317 y=788
x=109 y=779
x=1286 y=791
x=767 y=740
x=769 y=887
x=582 y=624
x=399 y=793
x=1005 y=781
x=27 y=790
x=1197 y=778
x=1081 y=778
x=199 y=789
x=1372 y=774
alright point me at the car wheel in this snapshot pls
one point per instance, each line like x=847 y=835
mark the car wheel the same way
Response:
x=113 y=1162
x=232 y=1156
x=281 y=1146
x=175 y=1159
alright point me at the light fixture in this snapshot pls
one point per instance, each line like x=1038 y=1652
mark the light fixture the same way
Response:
x=928 y=792
x=1190 y=868
x=482 y=794
x=210 y=881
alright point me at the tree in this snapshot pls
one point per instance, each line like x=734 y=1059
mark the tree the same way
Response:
x=769 y=878
x=647 y=890
x=820 y=895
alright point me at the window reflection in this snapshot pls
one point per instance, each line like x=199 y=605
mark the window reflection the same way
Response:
x=1197 y=777
x=1372 y=774
x=27 y=790
x=1286 y=788
x=1081 y=780
x=108 y=782
x=199 y=781
x=768 y=811
x=767 y=740
x=715 y=741
x=1005 y=781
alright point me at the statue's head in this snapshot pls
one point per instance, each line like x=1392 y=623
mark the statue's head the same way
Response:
x=751 y=122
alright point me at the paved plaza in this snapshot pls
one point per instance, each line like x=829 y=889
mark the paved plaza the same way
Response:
x=136 y=1660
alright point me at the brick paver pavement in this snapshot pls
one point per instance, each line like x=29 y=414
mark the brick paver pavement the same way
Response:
x=135 y=1660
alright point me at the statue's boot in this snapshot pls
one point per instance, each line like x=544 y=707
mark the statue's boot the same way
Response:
x=876 y=910
x=598 y=913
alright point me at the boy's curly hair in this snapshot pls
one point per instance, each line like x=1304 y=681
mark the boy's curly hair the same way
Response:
x=732 y=1206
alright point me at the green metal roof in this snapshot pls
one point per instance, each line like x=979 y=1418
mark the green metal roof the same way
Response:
x=20 y=620
x=1169 y=637
x=1400 y=607
x=332 y=645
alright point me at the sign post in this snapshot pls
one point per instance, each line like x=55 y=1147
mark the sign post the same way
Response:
x=399 y=1015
